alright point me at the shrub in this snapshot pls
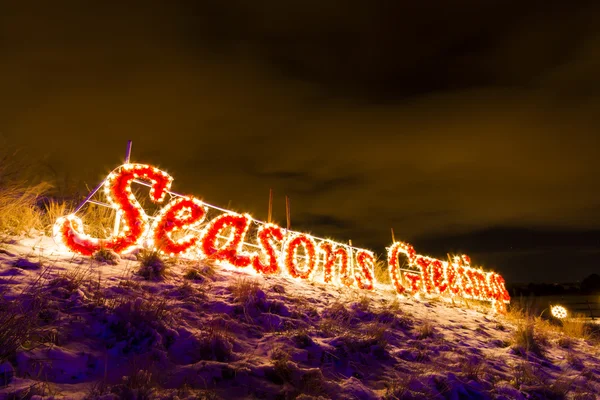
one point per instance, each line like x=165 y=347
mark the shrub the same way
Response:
x=199 y=271
x=106 y=256
x=193 y=275
x=152 y=265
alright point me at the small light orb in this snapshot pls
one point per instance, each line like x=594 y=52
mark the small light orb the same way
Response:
x=558 y=312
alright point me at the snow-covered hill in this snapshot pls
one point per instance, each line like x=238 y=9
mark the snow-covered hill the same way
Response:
x=74 y=327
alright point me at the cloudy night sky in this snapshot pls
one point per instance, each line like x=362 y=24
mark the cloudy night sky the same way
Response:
x=466 y=126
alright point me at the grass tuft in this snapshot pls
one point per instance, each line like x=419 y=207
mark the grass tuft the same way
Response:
x=524 y=339
x=382 y=274
x=246 y=291
x=19 y=213
x=575 y=328
x=472 y=367
x=106 y=256
x=153 y=265
x=425 y=330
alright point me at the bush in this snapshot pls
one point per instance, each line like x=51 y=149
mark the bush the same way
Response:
x=199 y=271
x=106 y=256
x=152 y=265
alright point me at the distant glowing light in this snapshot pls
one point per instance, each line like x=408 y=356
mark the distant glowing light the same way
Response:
x=558 y=312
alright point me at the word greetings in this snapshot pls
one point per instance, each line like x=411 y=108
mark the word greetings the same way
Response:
x=180 y=229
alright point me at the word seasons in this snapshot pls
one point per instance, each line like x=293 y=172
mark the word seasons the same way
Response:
x=180 y=229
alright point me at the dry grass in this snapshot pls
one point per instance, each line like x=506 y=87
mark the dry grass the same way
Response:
x=199 y=271
x=382 y=274
x=397 y=389
x=425 y=330
x=107 y=256
x=524 y=338
x=98 y=220
x=281 y=365
x=139 y=385
x=73 y=278
x=336 y=319
x=153 y=265
x=53 y=210
x=246 y=291
x=19 y=213
x=20 y=320
x=575 y=328
x=215 y=344
x=472 y=367
x=17 y=326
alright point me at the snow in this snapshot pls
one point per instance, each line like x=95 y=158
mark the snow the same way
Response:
x=101 y=331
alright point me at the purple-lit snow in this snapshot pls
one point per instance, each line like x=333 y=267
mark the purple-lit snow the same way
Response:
x=101 y=331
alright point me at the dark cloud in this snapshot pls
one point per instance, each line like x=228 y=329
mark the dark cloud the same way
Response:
x=441 y=122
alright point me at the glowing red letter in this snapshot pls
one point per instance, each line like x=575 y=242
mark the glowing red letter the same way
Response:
x=231 y=251
x=290 y=256
x=266 y=234
x=180 y=214
x=118 y=191
x=366 y=263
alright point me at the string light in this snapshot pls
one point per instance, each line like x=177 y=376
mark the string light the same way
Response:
x=266 y=235
x=342 y=264
x=336 y=259
x=457 y=278
x=394 y=266
x=290 y=255
x=231 y=251
x=366 y=264
x=326 y=249
x=181 y=214
x=117 y=188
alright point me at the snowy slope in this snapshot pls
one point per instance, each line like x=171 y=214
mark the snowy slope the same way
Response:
x=100 y=331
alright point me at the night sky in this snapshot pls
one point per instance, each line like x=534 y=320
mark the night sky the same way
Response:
x=465 y=125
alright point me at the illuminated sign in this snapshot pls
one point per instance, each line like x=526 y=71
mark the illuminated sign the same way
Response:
x=190 y=228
